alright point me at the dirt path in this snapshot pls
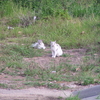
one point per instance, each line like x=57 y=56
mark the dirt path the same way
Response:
x=37 y=93
x=33 y=94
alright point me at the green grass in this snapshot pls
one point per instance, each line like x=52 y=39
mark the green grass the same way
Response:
x=3 y=85
x=47 y=75
x=46 y=84
x=12 y=59
x=75 y=28
x=65 y=32
x=21 y=50
x=73 y=98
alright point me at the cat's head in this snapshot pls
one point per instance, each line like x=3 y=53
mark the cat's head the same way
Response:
x=53 y=43
x=40 y=41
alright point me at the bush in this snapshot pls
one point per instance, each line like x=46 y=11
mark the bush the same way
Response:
x=55 y=8
x=88 y=80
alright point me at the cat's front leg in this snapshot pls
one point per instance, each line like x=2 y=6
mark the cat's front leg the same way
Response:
x=53 y=54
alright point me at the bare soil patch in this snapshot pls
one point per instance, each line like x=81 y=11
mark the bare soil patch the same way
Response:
x=73 y=57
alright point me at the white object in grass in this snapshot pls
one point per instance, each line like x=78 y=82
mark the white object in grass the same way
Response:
x=56 y=49
x=39 y=45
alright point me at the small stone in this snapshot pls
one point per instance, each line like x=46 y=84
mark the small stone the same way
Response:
x=53 y=71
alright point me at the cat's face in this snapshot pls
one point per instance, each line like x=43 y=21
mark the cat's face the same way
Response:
x=53 y=43
x=40 y=41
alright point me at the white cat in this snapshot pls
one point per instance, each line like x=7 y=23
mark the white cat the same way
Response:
x=39 y=45
x=56 y=49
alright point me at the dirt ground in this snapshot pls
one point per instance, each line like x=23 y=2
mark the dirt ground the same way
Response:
x=35 y=94
x=74 y=57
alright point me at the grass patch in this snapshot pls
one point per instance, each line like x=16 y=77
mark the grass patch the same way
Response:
x=47 y=85
x=66 y=55
x=3 y=85
x=47 y=74
x=24 y=51
x=70 y=37
x=88 y=80
x=73 y=98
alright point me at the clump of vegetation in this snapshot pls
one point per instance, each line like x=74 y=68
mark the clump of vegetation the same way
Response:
x=3 y=85
x=47 y=85
x=88 y=80
x=73 y=98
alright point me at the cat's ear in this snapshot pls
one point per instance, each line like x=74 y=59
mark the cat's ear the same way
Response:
x=39 y=40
